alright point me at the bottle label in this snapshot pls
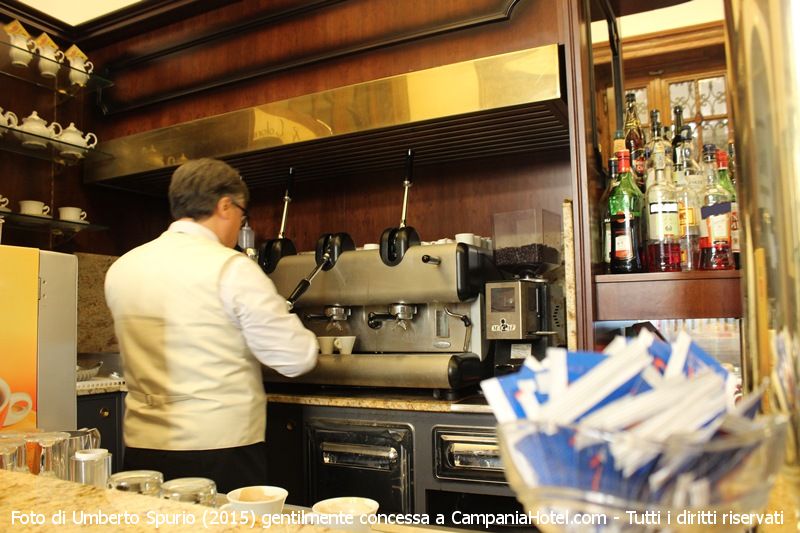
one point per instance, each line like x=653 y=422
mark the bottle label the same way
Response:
x=735 y=238
x=607 y=242
x=639 y=161
x=663 y=222
x=688 y=218
x=719 y=228
x=624 y=228
x=622 y=247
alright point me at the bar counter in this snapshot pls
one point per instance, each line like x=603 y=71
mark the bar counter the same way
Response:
x=37 y=504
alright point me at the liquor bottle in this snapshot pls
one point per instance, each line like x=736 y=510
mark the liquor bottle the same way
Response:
x=657 y=149
x=663 y=247
x=693 y=172
x=613 y=182
x=625 y=208
x=688 y=214
x=677 y=132
x=715 y=224
x=634 y=140
x=727 y=183
x=619 y=142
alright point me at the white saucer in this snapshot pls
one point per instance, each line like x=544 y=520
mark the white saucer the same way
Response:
x=34 y=144
x=71 y=154
x=5 y=210
x=74 y=221
x=37 y=216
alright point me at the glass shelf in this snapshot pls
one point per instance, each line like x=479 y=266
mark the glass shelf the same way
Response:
x=39 y=147
x=53 y=226
x=61 y=83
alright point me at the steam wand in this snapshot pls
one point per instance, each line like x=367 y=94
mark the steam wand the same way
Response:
x=305 y=283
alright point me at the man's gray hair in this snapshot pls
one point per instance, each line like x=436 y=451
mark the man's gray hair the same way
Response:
x=197 y=186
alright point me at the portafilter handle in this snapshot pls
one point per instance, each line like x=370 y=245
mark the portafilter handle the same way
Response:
x=305 y=283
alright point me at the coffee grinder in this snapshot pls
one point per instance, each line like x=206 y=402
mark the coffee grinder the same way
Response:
x=524 y=312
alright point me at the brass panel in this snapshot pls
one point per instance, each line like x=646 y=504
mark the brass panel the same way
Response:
x=526 y=83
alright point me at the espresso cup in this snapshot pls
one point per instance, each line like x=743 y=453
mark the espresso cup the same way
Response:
x=13 y=406
x=326 y=344
x=260 y=499
x=344 y=344
x=75 y=214
x=466 y=238
x=33 y=207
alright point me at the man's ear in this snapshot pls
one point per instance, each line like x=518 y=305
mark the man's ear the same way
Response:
x=224 y=207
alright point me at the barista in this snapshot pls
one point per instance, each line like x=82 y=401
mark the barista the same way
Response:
x=195 y=320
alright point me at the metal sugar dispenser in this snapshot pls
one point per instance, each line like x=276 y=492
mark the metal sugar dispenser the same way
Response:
x=521 y=317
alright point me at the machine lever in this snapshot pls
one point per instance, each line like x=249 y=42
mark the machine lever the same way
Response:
x=305 y=283
x=467 y=324
x=431 y=260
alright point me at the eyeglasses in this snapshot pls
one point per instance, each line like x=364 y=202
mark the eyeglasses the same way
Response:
x=245 y=214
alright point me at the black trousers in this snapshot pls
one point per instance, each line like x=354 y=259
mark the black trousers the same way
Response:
x=230 y=468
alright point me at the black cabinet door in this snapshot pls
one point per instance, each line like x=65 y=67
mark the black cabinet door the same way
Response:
x=103 y=411
x=285 y=450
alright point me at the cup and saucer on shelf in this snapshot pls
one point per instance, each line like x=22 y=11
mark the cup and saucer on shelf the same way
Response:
x=72 y=214
x=34 y=208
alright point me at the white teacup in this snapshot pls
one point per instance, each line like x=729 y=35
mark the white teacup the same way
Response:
x=326 y=344
x=344 y=344
x=20 y=49
x=348 y=513
x=75 y=214
x=466 y=238
x=260 y=499
x=34 y=207
x=13 y=406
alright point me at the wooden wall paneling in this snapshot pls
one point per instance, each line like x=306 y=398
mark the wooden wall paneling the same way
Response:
x=533 y=23
x=443 y=201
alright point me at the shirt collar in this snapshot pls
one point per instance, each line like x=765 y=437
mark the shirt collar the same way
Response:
x=193 y=228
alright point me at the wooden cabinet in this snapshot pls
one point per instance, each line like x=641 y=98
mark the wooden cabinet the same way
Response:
x=680 y=67
x=104 y=412
x=33 y=163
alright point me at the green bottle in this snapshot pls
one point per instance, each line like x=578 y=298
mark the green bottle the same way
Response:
x=625 y=209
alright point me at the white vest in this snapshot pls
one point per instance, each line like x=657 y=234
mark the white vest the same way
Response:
x=192 y=382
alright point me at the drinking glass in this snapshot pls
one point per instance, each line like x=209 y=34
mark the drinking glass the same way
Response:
x=90 y=467
x=12 y=452
x=147 y=482
x=47 y=453
x=191 y=489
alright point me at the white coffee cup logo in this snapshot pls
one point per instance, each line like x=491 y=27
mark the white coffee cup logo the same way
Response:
x=13 y=406
x=33 y=207
x=71 y=213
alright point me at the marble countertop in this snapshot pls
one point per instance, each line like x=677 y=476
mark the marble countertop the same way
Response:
x=99 y=385
x=364 y=399
x=380 y=399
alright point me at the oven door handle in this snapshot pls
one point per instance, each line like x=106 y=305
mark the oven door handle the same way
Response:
x=359 y=455
x=474 y=456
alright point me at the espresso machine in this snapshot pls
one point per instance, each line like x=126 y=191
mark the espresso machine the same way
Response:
x=418 y=323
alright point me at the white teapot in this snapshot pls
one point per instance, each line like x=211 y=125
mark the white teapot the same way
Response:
x=50 y=60
x=79 y=70
x=20 y=49
x=7 y=119
x=36 y=125
x=75 y=137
